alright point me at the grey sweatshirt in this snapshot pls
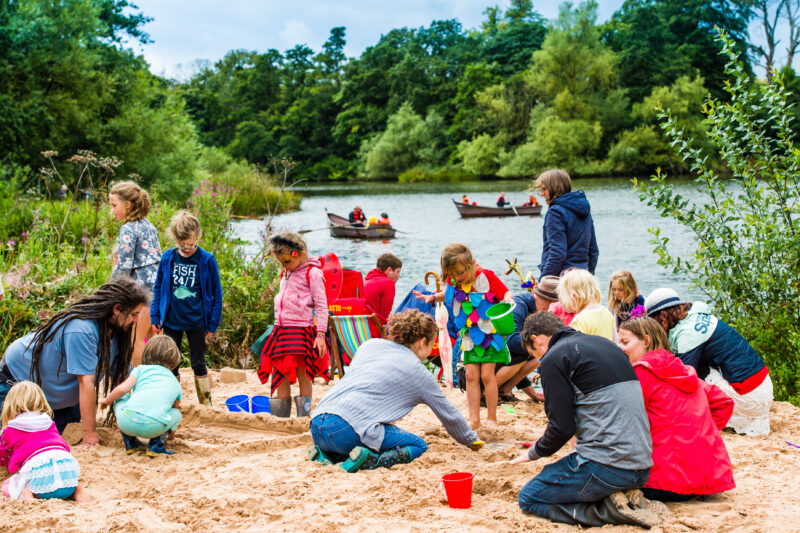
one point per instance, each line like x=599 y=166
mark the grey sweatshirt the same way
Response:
x=385 y=382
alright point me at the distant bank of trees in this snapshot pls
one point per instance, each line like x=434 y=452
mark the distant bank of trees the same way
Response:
x=507 y=99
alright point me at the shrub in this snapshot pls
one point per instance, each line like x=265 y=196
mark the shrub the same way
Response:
x=437 y=176
x=480 y=155
x=256 y=192
x=747 y=228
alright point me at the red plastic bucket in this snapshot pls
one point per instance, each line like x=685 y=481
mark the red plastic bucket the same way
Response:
x=458 y=487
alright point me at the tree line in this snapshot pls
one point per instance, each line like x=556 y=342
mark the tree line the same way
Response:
x=514 y=96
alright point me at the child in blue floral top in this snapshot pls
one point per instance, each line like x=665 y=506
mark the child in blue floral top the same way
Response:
x=139 y=251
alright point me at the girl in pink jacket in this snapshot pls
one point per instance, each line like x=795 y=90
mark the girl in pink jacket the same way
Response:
x=33 y=450
x=686 y=415
x=297 y=343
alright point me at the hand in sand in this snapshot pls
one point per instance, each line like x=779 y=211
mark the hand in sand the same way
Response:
x=427 y=298
x=90 y=439
x=521 y=459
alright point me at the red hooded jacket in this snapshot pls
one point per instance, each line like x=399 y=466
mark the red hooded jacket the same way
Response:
x=379 y=291
x=686 y=415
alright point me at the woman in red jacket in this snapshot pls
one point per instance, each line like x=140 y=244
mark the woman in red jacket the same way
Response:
x=686 y=415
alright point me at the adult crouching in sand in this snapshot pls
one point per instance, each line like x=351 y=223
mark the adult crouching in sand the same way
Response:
x=719 y=354
x=354 y=423
x=686 y=415
x=590 y=392
x=82 y=348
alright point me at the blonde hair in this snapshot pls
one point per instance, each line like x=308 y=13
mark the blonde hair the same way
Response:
x=139 y=200
x=577 y=290
x=556 y=181
x=183 y=225
x=455 y=254
x=628 y=285
x=25 y=397
x=161 y=350
x=287 y=242
x=643 y=327
x=408 y=327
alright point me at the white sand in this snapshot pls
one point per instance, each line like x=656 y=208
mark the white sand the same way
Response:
x=243 y=472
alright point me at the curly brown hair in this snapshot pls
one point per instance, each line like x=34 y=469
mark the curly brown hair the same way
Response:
x=410 y=326
x=669 y=317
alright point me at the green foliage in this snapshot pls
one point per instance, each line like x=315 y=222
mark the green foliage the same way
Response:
x=660 y=40
x=481 y=155
x=641 y=148
x=437 y=176
x=747 y=228
x=68 y=85
x=408 y=141
x=157 y=139
x=644 y=148
x=567 y=144
x=255 y=192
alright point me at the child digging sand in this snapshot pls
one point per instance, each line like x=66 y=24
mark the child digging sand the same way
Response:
x=150 y=410
x=36 y=455
x=471 y=290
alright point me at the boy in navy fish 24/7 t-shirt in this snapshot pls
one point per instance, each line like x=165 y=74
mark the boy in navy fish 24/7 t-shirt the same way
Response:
x=187 y=297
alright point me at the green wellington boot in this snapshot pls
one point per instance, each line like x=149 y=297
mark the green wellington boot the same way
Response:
x=203 y=387
x=362 y=458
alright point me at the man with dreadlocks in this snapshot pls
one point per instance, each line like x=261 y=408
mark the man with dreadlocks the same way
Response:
x=88 y=343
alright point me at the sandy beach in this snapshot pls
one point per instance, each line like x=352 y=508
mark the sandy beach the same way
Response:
x=249 y=472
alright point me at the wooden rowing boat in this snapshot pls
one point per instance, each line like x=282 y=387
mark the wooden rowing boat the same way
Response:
x=341 y=228
x=470 y=211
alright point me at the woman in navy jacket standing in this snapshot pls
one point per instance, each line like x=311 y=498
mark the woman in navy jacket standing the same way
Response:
x=568 y=239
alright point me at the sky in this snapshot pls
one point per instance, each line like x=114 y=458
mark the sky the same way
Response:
x=185 y=31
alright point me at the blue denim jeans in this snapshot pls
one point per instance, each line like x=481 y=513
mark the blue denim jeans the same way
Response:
x=61 y=417
x=574 y=479
x=337 y=438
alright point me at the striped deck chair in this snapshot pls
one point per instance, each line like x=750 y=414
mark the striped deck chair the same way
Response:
x=350 y=331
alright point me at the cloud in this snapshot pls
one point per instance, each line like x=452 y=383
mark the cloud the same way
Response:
x=296 y=32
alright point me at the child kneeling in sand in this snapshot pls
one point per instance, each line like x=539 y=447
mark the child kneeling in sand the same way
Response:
x=150 y=410
x=36 y=455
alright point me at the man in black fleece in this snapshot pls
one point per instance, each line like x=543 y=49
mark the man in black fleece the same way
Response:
x=591 y=392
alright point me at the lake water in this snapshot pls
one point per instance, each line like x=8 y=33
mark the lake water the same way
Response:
x=428 y=220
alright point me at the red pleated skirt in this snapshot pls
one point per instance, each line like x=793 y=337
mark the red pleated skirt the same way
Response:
x=290 y=349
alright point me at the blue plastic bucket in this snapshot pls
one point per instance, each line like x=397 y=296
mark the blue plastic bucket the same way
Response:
x=260 y=404
x=240 y=403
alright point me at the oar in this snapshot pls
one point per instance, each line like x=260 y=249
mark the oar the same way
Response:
x=515 y=209
x=304 y=231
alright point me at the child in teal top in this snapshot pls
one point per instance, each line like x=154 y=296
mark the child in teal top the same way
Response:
x=150 y=410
